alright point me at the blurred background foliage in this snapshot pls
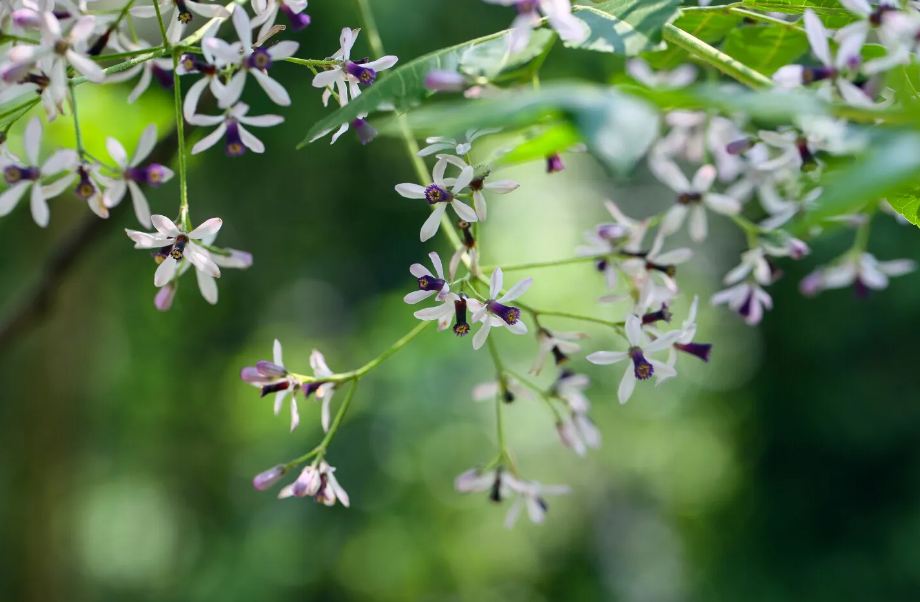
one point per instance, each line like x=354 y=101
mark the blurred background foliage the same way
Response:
x=786 y=469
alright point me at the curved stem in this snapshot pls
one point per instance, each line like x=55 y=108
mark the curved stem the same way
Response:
x=716 y=58
x=545 y=264
x=562 y=314
x=180 y=130
x=493 y=351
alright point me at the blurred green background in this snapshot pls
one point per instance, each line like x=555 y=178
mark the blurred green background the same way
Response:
x=786 y=469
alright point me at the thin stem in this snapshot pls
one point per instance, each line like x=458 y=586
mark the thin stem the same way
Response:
x=76 y=122
x=493 y=351
x=156 y=6
x=180 y=130
x=337 y=420
x=124 y=55
x=538 y=391
x=545 y=264
x=562 y=314
x=23 y=107
x=716 y=58
x=10 y=38
x=310 y=62
x=763 y=18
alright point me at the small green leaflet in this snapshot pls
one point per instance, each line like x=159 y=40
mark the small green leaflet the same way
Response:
x=618 y=129
x=625 y=27
x=766 y=48
x=832 y=13
x=908 y=205
x=709 y=24
x=404 y=87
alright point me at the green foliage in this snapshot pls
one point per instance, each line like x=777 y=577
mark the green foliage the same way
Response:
x=832 y=13
x=404 y=88
x=617 y=128
x=551 y=140
x=626 y=27
x=908 y=205
x=710 y=25
x=766 y=48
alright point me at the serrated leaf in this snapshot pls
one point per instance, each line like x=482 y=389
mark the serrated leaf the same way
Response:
x=710 y=24
x=766 y=48
x=626 y=27
x=907 y=205
x=886 y=169
x=616 y=128
x=832 y=13
x=404 y=87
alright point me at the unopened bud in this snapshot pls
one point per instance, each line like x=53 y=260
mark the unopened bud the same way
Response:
x=264 y=480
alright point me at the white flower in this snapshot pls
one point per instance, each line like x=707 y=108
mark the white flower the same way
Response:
x=509 y=391
x=693 y=198
x=642 y=368
x=130 y=175
x=466 y=249
x=752 y=261
x=211 y=69
x=640 y=71
x=55 y=52
x=686 y=138
x=889 y=22
x=748 y=299
x=646 y=264
x=319 y=483
x=500 y=485
x=428 y=284
x=273 y=377
x=461 y=146
x=161 y=69
x=782 y=210
x=557 y=12
x=222 y=258
x=864 y=272
x=818 y=134
x=324 y=390
x=21 y=177
x=437 y=194
x=477 y=185
x=347 y=74
x=292 y=9
x=685 y=342
x=52 y=97
x=256 y=61
x=832 y=71
x=559 y=343
x=578 y=432
x=231 y=123
x=606 y=239
x=181 y=14
x=183 y=245
x=494 y=312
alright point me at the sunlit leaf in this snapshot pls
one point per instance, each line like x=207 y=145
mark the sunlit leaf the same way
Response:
x=616 y=128
x=710 y=24
x=832 y=13
x=404 y=87
x=554 y=139
x=766 y=48
x=625 y=27
x=908 y=205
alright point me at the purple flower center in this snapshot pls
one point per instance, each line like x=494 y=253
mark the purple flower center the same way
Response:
x=153 y=174
x=663 y=314
x=554 y=163
x=85 y=188
x=643 y=369
x=178 y=248
x=700 y=350
x=876 y=17
x=192 y=63
x=809 y=163
x=16 y=173
x=259 y=59
x=364 y=75
x=366 y=132
x=612 y=231
x=436 y=194
x=862 y=291
x=462 y=327
x=507 y=313
x=281 y=385
x=430 y=283
x=559 y=356
x=61 y=47
x=525 y=6
x=298 y=20
x=745 y=309
x=310 y=388
x=185 y=16
x=164 y=77
x=235 y=146
x=668 y=270
x=811 y=75
x=685 y=198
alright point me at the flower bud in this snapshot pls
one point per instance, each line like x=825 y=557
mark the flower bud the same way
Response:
x=308 y=483
x=797 y=249
x=554 y=163
x=264 y=480
x=164 y=297
x=812 y=284
x=739 y=146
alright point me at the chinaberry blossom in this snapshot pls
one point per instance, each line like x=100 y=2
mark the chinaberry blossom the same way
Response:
x=642 y=367
x=273 y=377
x=748 y=299
x=438 y=195
x=324 y=389
x=863 y=272
x=509 y=389
x=656 y=263
x=466 y=250
x=211 y=71
x=453 y=306
x=131 y=174
x=428 y=283
x=501 y=484
x=693 y=198
x=22 y=176
x=684 y=342
x=318 y=482
x=292 y=9
x=251 y=60
x=175 y=245
x=576 y=430
x=348 y=74
x=55 y=53
x=480 y=184
x=494 y=312
x=886 y=18
x=181 y=15
x=231 y=123
x=833 y=70
x=461 y=146
x=560 y=344
x=557 y=12
x=680 y=77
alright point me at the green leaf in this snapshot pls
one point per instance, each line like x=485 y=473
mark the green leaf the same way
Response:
x=709 y=24
x=887 y=168
x=766 y=48
x=616 y=128
x=554 y=139
x=908 y=205
x=404 y=87
x=832 y=13
x=626 y=27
